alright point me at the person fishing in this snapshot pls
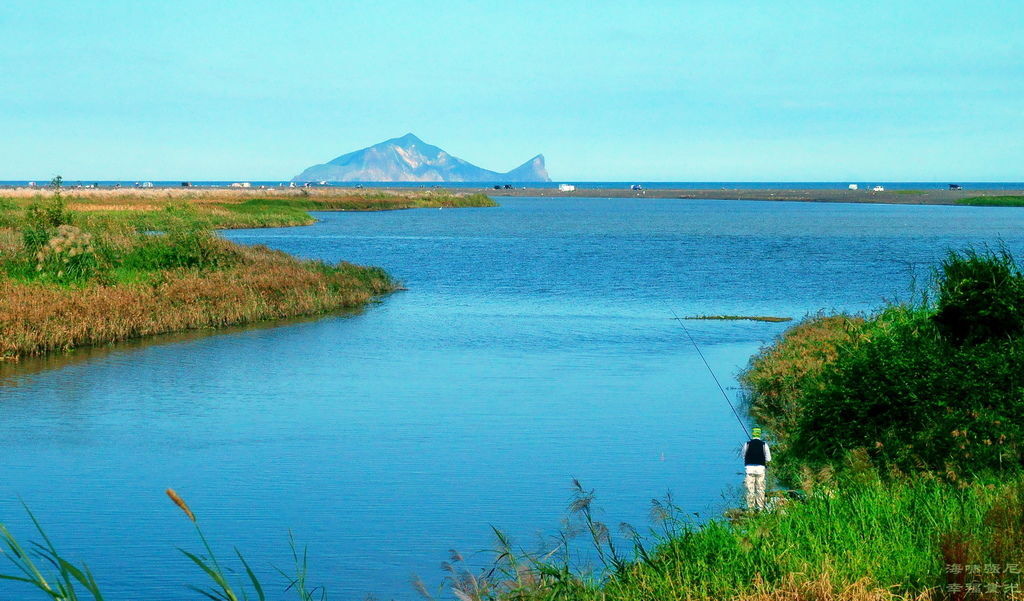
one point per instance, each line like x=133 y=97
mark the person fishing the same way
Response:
x=756 y=456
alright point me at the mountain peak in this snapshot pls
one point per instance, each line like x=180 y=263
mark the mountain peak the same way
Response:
x=409 y=138
x=410 y=159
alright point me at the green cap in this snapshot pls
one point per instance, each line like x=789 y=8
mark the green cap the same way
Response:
x=756 y=432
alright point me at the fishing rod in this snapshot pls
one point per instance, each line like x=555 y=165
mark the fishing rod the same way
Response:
x=708 y=365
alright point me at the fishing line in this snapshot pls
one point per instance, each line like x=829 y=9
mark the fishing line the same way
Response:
x=708 y=365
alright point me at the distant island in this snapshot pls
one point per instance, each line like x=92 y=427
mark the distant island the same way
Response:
x=409 y=159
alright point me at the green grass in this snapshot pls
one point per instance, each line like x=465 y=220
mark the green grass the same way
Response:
x=141 y=234
x=869 y=537
x=42 y=569
x=872 y=538
x=271 y=212
x=992 y=201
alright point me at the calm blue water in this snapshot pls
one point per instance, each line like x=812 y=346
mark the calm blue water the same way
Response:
x=534 y=345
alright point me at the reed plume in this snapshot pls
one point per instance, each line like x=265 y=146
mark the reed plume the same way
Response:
x=181 y=503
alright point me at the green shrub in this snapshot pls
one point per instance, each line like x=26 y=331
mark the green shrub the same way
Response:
x=67 y=257
x=8 y=213
x=42 y=220
x=930 y=386
x=981 y=297
x=188 y=242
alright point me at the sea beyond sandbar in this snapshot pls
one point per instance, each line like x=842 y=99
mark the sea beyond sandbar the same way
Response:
x=903 y=197
x=897 y=195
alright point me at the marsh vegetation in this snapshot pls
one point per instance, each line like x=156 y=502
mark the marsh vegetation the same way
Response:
x=97 y=266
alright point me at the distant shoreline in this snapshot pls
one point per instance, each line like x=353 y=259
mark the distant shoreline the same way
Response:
x=903 y=197
x=921 y=196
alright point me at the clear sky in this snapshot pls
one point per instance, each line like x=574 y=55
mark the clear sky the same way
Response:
x=679 y=90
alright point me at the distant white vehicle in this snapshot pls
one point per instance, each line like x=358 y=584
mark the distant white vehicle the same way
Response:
x=322 y=182
x=878 y=189
x=31 y=184
x=853 y=186
x=566 y=188
x=241 y=185
x=291 y=184
x=147 y=184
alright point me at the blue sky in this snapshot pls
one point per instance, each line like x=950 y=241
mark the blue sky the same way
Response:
x=673 y=91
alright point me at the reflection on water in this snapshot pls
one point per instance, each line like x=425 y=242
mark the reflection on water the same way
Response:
x=535 y=344
x=12 y=373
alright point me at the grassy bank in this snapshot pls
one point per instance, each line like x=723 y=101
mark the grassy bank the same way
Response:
x=99 y=266
x=853 y=537
x=226 y=208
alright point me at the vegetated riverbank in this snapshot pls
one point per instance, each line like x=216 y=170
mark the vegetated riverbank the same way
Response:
x=233 y=208
x=99 y=266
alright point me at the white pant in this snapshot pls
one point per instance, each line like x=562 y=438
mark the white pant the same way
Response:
x=754 y=483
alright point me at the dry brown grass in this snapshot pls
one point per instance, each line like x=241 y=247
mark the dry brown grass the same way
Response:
x=779 y=370
x=824 y=588
x=142 y=196
x=128 y=289
x=40 y=318
x=235 y=207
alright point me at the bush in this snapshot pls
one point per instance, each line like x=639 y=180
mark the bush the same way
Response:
x=7 y=213
x=936 y=387
x=42 y=221
x=67 y=257
x=187 y=242
x=981 y=297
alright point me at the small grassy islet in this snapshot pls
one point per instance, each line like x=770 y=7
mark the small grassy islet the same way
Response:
x=767 y=318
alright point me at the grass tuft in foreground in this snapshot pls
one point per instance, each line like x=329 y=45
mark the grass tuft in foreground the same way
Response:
x=58 y=579
x=849 y=535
